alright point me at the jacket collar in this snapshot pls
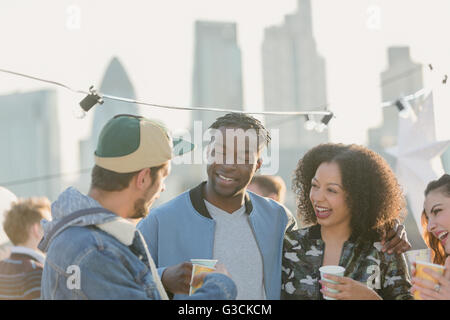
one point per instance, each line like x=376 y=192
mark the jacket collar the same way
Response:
x=197 y=196
x=35 y=255
x=121 y=229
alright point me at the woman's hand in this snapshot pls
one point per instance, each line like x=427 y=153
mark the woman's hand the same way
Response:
x=428 y=290
x=349 y=289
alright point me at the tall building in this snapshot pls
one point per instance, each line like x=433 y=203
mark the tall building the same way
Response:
x=117 y=83
x=293 y=80
x=401 y=78
x=217 y=72
x=216 y=82
x=294 y=75
x=30 y=143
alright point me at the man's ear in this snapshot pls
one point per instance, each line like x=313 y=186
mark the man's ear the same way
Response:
x=143 y=178
x=36 y=230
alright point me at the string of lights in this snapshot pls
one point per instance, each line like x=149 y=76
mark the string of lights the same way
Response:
x=93 y=97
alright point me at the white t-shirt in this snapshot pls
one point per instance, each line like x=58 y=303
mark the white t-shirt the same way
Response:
x=235 y=246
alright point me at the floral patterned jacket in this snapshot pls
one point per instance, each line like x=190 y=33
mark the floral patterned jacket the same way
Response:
x=363 y=261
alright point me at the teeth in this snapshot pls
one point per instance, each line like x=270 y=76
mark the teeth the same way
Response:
x=225 y=178
x=443 y=235
x=322 y=209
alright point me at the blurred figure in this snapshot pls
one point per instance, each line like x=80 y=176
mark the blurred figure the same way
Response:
x=269 y=186
x=436 y=226
x=20 y=274
x=6 y=199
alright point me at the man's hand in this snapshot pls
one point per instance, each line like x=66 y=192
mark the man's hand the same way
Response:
x=396 y=240
x=176 y=279
x=220 y=268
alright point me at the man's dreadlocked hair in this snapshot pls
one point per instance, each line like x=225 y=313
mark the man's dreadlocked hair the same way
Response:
x=242 y=121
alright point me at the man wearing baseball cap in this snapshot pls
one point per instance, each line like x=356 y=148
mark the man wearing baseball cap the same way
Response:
x=93 y=250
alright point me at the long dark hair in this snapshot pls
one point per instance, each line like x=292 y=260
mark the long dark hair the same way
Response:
x=438 y=254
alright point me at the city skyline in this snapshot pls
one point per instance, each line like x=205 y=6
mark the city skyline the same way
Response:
x=78 y=63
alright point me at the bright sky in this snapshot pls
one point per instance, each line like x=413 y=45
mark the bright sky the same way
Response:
x=73 y=41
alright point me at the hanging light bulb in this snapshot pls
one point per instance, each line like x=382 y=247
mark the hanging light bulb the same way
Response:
x=78 y=112
x=87 y=103
x=324 y=122
x=310 y=124
x=404 y=108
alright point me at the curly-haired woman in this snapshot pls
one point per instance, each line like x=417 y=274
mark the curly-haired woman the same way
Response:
x=436 y=226
x=350 y=199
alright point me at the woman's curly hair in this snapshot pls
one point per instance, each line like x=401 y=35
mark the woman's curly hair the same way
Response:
x=438 y=254
x=373 y=195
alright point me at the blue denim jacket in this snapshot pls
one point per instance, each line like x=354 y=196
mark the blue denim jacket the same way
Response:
x=102 y=256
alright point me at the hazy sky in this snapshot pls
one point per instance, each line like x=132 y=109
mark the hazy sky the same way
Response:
x=73 y=41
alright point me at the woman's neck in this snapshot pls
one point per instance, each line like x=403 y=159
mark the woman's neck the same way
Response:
x=335 y=234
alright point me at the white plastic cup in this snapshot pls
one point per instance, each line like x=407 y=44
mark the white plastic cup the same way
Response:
x=332 y=270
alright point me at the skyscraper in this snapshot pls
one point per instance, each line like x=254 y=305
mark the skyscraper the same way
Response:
x=30 y=143
x=217 y=72
x=402 y=77
x=293 y=80
x=294 y=76
x=216 y=82
x=117 y=83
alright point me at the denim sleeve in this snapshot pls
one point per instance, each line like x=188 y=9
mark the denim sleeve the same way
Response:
x=216 y=286
x=149 y=229
x=104 y=276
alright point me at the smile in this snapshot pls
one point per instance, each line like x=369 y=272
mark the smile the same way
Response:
x=442 y=236
x=227 y=179
x=323 y=212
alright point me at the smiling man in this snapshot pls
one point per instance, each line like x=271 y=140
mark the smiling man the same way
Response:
x=219 y=219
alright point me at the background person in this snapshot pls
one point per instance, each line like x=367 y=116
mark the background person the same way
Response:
x=21 y=272
x=268 y=186
x=351 y=199
x=6 y=199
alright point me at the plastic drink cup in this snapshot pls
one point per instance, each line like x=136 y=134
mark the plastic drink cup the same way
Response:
x=205 y=262
x=332 y=270
x=420 y=265
x=199 y=266
x=417 y=255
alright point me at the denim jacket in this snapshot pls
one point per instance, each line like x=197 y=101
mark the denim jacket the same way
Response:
x=94 y=254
